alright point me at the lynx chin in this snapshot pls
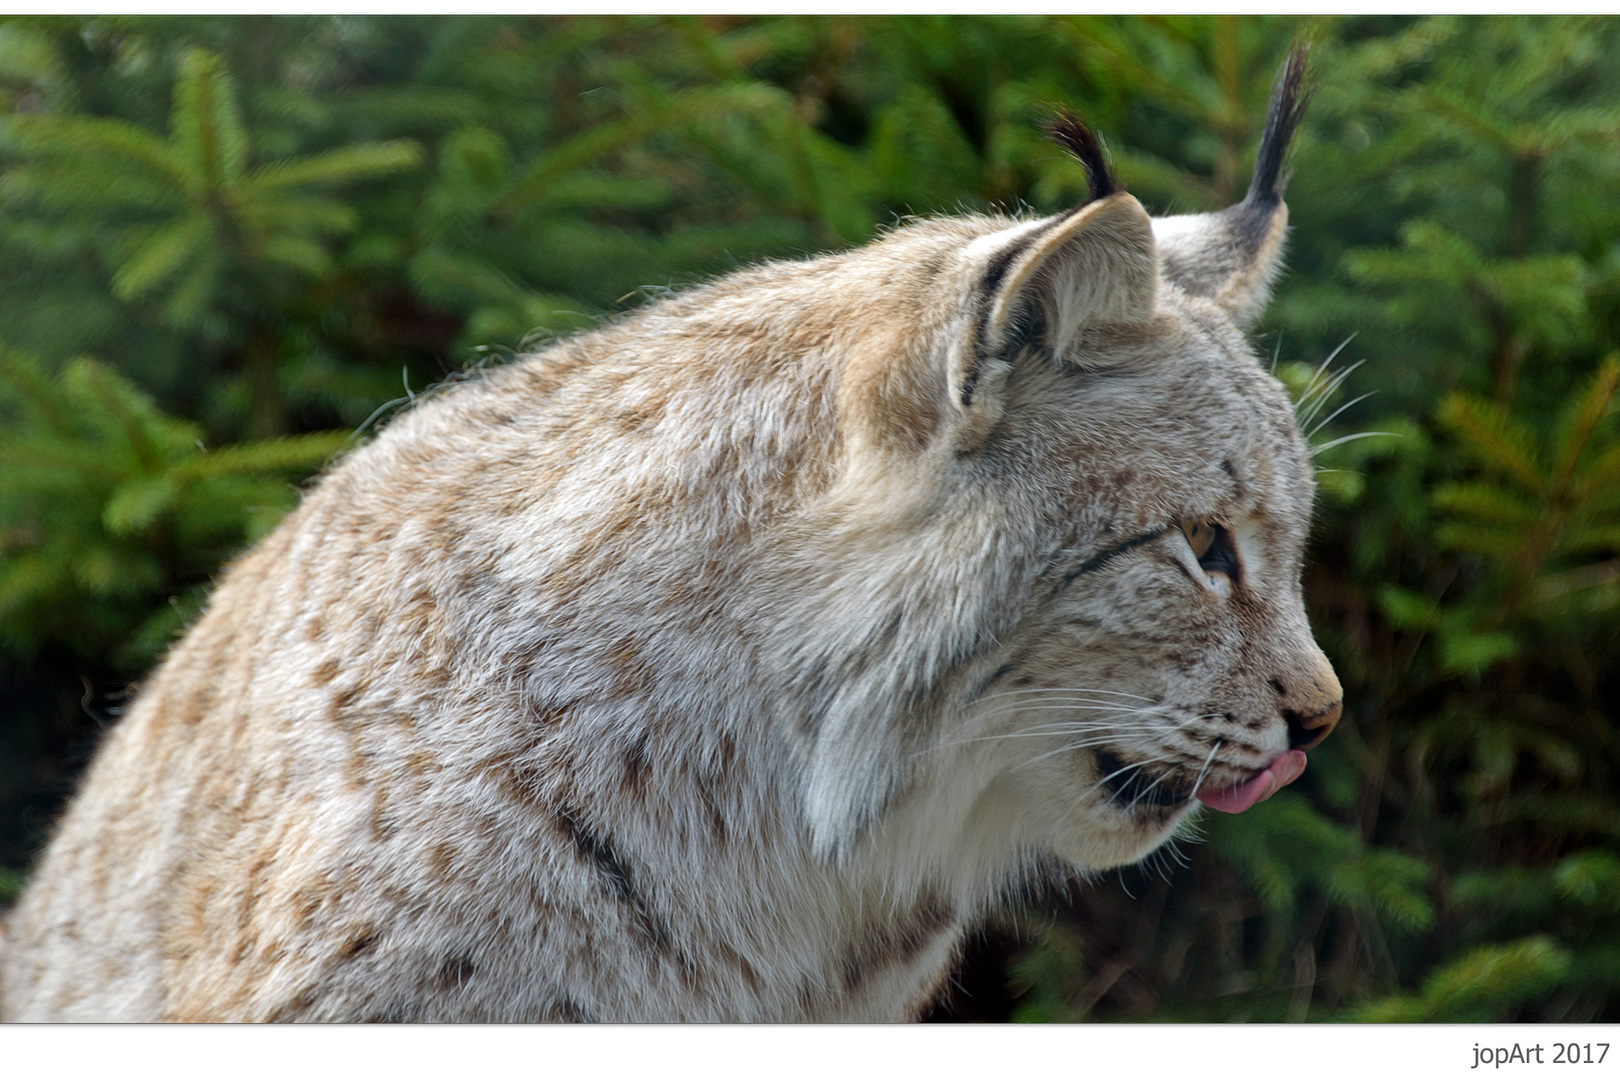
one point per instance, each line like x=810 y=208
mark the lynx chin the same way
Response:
x=728 y=661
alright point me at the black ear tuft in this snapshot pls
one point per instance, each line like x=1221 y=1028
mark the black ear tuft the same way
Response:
x=1289 y=96
x=1071 y=133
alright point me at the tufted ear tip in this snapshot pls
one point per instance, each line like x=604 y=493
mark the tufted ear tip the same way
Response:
x=1290 y=95
x=1233 y=256
x=1085 y=146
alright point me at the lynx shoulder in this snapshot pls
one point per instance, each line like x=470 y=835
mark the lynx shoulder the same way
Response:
x=727 y=662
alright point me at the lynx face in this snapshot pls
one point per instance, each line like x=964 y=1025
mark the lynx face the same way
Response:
x=1169 y=653
x=1118 y=495
x=1111 y=504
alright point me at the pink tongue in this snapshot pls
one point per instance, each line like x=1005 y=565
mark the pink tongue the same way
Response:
x=1234 y=800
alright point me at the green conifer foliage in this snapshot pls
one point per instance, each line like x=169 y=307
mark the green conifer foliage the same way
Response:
x=189 y=220
x=113 y=515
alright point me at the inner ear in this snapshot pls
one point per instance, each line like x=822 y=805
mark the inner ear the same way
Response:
x=1095 y=265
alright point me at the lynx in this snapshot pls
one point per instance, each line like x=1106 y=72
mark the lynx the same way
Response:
x=728 y=661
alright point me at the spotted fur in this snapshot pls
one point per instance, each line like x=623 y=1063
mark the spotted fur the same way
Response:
x=723 y=663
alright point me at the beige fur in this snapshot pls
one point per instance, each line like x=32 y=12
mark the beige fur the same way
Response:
x=724 y=663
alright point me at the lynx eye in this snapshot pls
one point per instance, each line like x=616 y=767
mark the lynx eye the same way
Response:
x=1212 y=546
x=1200 y=535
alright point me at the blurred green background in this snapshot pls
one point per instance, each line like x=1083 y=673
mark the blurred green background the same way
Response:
x=230 y=245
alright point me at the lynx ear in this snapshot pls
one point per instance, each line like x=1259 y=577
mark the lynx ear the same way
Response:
x=1094 y=265
x=1232 y=256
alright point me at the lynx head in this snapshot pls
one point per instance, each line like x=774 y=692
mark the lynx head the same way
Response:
x=1070 y=519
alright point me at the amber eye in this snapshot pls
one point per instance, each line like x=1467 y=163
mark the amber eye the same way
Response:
x=1200 y=535
x=1212 y=545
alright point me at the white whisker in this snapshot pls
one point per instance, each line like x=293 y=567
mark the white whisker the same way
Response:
x=1348 y=438
x=1126 y=769
x=1101 y=723
x=1313 y=403
x=1146 y=791
x=1335 y=413
x=1062 y=690
x=1203 y=772
x=1069 y=748
x=1067 y=703
x=1314 y=382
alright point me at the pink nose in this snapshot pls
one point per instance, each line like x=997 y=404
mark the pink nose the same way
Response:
x=1305 y=732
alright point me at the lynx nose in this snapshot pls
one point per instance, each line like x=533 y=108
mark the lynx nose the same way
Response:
x=1305 y=732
